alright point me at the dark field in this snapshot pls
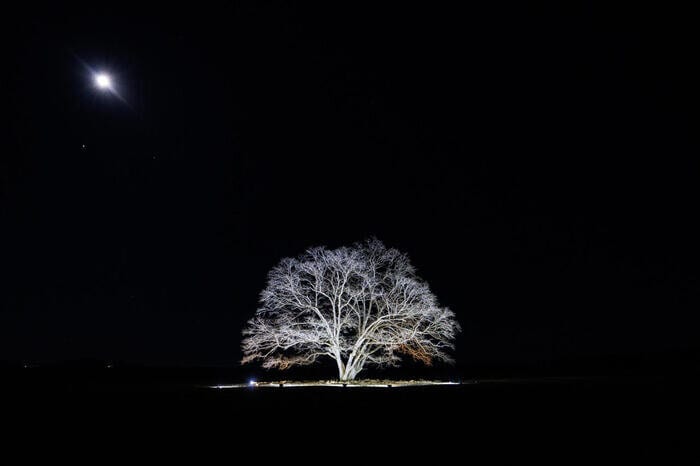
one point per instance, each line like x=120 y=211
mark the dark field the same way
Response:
x=489 y=414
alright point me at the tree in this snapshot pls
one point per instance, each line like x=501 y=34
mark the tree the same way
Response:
x=359 y=305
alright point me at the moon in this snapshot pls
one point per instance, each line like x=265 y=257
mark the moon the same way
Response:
x=103 y=81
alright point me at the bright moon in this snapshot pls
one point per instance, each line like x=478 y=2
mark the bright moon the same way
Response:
x=103 y=81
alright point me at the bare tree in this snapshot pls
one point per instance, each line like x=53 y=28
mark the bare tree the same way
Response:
x=358 y=305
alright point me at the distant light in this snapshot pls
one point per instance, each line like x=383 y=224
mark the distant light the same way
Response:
x=252 y=383
x=103 y=81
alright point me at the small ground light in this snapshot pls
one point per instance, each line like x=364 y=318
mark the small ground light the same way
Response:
x=252 y=383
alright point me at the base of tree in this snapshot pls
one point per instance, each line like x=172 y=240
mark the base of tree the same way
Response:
x=368 y=383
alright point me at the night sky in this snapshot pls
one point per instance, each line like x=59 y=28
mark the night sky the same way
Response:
x=537 y=163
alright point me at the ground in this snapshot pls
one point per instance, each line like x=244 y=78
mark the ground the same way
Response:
x=359 y=383
x=445 y=421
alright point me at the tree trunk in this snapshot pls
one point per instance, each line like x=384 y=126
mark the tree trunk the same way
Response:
x=341 y=367
x=348 y=371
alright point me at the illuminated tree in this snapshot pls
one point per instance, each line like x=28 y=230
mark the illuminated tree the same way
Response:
x=359 y=305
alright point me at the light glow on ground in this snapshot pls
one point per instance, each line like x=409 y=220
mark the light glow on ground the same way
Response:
x=337 y=384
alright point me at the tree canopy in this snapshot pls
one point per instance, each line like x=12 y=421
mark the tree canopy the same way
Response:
x=359 y=305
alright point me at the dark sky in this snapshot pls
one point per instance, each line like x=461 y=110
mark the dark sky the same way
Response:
x=538 y=164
